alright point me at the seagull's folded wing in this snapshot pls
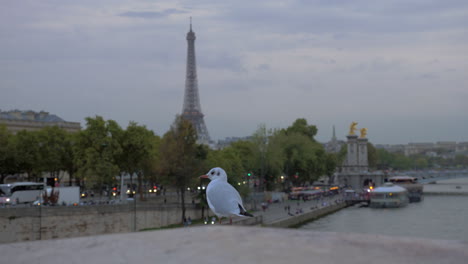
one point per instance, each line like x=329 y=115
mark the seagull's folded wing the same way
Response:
x=224 y=199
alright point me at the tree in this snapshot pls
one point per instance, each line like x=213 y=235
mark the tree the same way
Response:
x=461 y=160
x=385 y=159
x=372 y=155
x=305 y=159
x=27 y=153
x=52 y=150
x=180 y=161
x=97 y=151
x=300 y=126
x=331 y=163
x=245 y=150
x=7 y=161
x=260 y=141
x=137 y=144
x=342 y=154
x=68 y=155
x=151 y=161
x=402 y=162
x=420 y=163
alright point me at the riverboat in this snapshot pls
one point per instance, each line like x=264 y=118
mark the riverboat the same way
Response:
x=415 y=189
x=388 y=196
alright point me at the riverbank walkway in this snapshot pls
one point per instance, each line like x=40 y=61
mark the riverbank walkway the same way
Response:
x=288 y=209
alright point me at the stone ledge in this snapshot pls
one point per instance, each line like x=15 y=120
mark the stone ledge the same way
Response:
x=236 y=244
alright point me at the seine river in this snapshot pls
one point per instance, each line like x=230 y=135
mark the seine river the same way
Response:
x=437 y=216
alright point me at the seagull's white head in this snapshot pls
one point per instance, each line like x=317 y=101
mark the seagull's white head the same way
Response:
x=216 y=173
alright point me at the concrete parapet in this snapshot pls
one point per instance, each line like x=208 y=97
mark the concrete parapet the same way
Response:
x=446 y=193
x=235 y=244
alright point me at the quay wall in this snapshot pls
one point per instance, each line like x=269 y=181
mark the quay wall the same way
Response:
x=40 y=223
x=446 y=193
x=297 y=220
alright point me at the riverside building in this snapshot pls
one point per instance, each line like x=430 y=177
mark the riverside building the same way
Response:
x=17 y=120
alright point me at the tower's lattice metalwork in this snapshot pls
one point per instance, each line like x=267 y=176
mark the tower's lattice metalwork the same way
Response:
x=192 y=109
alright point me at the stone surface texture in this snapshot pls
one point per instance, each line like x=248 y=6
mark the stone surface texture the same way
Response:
x=236 y=244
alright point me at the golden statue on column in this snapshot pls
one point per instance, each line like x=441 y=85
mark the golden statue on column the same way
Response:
x=363 y=132
x=352 y=128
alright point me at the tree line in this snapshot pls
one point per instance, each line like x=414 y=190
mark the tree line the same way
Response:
x=104 y=150
x=101 y=152
x=399 y=161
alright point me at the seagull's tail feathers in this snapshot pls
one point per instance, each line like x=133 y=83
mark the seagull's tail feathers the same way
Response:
x=243 y=212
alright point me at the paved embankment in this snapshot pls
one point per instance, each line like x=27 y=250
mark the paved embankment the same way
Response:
x=291 y=213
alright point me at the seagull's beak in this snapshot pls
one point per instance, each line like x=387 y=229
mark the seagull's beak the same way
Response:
x=204 y=177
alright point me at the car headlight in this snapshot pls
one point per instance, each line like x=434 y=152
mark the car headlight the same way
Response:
x=8 y=199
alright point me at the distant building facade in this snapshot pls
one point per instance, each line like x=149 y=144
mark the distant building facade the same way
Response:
x=427 y=148
x=17 y=120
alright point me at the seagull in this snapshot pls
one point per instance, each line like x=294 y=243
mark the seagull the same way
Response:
x=222 y=198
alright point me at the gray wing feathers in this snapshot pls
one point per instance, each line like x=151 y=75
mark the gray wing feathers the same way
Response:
x=223 y=199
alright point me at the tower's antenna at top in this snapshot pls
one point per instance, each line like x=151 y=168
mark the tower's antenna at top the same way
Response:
x=190 y=23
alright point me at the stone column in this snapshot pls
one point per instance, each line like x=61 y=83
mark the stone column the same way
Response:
x=363 y=161
x=352 y=155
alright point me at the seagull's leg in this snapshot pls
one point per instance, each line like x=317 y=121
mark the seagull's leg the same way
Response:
x=220 y=219
x=230 y=220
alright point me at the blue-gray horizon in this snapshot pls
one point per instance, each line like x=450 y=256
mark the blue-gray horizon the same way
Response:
x=396 y=67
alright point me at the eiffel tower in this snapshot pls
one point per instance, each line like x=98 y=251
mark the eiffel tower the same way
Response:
x=192 y=109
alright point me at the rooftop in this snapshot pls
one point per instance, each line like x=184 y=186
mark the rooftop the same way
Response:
x=29 y=115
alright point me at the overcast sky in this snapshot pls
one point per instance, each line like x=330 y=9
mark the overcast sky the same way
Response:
x=397 y=67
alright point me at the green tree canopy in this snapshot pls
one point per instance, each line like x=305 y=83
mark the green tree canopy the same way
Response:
x=137 y=143
x=7 y=158
x=52 y=141
x=27 y=153
x=180 y=160
x=97 y=150
x=300 y=126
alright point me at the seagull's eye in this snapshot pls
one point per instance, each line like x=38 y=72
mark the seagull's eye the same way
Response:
x=212 y=172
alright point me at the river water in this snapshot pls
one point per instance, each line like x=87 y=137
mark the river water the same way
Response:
x=437 y=217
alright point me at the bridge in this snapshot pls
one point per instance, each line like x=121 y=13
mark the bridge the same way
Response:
x=427 y=176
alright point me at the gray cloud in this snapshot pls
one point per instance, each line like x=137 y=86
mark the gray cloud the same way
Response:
x=263 y=67
x=152 y=14
x=390 y=65
x=222 y=61
x=350 y=16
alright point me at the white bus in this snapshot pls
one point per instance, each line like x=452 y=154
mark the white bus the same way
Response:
x=20 y=192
